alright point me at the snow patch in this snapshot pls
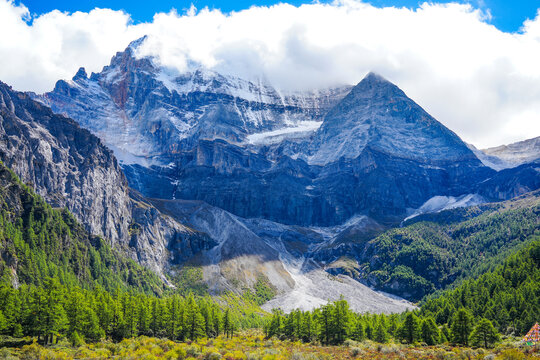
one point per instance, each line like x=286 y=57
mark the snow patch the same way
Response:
x=126 y=158
x=301 y=129
x=440 y=203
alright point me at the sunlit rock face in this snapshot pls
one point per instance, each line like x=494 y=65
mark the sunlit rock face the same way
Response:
x=71 y=168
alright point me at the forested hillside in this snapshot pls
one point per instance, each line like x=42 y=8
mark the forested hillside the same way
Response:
x=39 y=242
x=59 y=281
x=509 y=296
x=506 y=300
x=433 y=251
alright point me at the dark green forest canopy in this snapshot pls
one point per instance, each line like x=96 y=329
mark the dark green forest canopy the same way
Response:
x=433 y=251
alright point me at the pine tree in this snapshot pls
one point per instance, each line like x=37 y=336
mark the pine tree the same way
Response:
x=144 y=318
x=358 y=333
x=216 y=320
x=130 y=315
x=174 y=323
x=484 y=334
x=3 y=323
x=275 y=327
x=193 y=320
x=326 y=322
x=341 y=320
x=461 y=327
x=410 y=329
x=54 y=319
x=429 y=331
x=307 y=330
x=380 y=334
x=227 y=323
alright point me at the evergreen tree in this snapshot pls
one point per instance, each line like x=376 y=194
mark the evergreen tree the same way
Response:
x=275 y=327
x=410 y=329
x=54 y=316
x=325 y=323
x=307 y=331
x=358 y=333
x=216 y=321
x=380 y=334
x=340 y=320
x=193 y=320
x=429 y=331
x=227 y=323
x=461 y=327
x=484 y=334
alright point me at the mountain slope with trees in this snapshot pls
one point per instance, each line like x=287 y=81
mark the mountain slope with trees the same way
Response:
x=433 y=251
x=39 y=242
x=505 y=300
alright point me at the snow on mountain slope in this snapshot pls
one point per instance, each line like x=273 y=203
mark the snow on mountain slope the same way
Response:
x=440 y=203
x=517 y=153
x=377 y=114
x=299 y=130
x=149 y=113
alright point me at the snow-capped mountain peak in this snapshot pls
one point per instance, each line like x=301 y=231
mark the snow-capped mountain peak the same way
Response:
x=379 y=115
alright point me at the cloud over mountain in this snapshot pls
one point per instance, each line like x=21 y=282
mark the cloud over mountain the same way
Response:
x=480 y=82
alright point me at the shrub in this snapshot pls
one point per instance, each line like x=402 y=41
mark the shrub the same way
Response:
x=356 y=351
x=511 y=354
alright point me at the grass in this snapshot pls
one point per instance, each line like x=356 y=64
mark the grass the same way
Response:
x=251 y=345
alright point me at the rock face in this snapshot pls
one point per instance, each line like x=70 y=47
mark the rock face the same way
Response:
x=67 y=165
x=147 y=115
x=376 y=114
x=71 y=168
x=315 y=158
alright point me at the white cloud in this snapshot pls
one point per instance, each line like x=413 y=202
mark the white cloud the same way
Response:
x=482 y=83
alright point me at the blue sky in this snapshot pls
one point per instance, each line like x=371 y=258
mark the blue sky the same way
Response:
x=506 y=15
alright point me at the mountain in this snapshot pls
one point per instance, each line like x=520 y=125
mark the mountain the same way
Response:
x=170 y=241
x=38 y=242
x=70 y=167
x=518 y=153
x=433 y=251
x=377 y=115
x=148 y=114
x=509 y=156
x=227 y=184
x=255 y=151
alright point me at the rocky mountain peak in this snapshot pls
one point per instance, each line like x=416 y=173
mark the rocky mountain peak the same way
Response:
x=80 y=75
x=378 y=114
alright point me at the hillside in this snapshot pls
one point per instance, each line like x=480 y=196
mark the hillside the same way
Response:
x=432 y=251
x=509 y=295
x=40 y=242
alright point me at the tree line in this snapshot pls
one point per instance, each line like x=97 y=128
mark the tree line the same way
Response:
x=52 y=311
x=334 y=323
